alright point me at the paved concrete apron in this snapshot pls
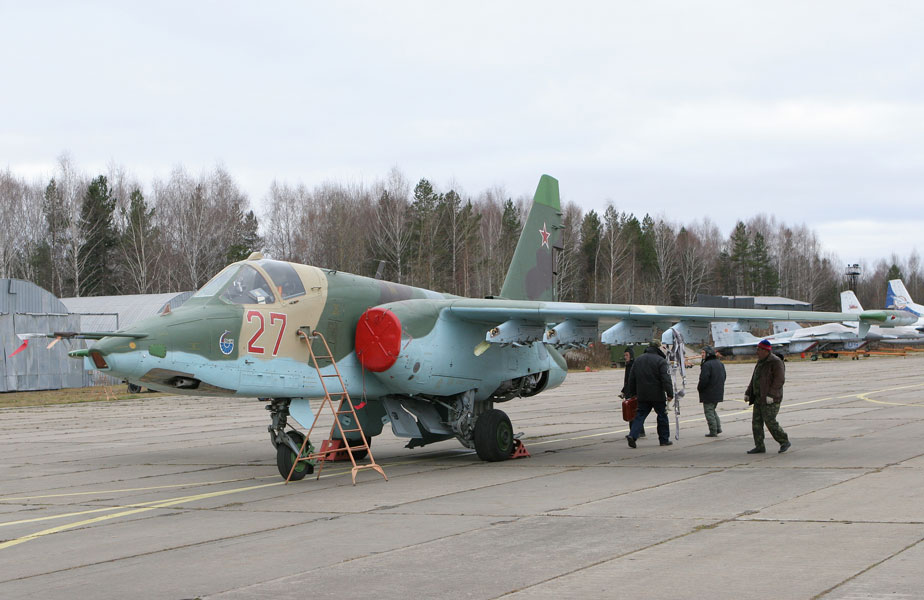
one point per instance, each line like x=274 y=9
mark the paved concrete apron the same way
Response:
x=180 y=498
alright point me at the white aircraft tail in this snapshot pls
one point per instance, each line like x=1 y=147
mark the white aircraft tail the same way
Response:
x=725 y=335
x=850 y=303
x=897 y=297
x=785 y=326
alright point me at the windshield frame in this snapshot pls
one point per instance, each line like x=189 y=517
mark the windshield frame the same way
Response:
x=216 y=284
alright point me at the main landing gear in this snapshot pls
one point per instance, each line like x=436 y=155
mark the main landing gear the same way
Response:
x=493 y=436
x=478 y=425
x=287 y=443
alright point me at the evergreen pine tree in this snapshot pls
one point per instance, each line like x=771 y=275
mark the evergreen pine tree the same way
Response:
x=894 y=273
x=48 y=261
x=98 y=240
x=740 y=257
x=247 y=240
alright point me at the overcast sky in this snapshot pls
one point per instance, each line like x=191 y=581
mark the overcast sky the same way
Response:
x=810 y=111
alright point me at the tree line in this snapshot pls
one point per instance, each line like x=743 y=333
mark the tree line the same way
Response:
x=79 y=235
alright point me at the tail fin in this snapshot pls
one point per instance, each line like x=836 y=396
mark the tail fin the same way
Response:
x=898 y=297
x=726 y=335
x=850 y=303
x=784 y=326
x=531 y=275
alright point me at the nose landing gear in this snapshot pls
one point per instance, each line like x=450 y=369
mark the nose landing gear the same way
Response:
x=287 y=443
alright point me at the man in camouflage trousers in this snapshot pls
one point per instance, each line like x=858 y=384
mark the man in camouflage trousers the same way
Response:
x=765 y=393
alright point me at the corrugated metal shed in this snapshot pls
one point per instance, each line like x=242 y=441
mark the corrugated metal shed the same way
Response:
x=27 y=308
x=109 y=313
x=37 y=368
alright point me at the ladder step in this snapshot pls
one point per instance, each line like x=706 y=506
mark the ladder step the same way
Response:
x=314 y=455
x=351 y=431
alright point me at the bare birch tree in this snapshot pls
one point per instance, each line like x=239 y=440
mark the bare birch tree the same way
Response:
x=392 y=236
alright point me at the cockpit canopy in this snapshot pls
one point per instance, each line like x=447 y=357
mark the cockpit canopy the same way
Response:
x=243 y=284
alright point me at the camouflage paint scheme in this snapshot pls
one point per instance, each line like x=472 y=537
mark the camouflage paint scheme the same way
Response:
x=457 y=357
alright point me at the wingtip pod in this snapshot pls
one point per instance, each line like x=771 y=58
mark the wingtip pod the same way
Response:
x=888 y=318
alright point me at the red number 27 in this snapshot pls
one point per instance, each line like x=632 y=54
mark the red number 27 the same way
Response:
x=252 y=346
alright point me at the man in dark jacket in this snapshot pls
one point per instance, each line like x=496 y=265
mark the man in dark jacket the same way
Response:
x=650 y=382
x=630 y=360
x=711 y=388
x=765 y=392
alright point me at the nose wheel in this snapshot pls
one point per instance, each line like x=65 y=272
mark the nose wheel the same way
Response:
x=287 y=443
x=285 y=457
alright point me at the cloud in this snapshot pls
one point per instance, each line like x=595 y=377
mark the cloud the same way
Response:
x=872 y=239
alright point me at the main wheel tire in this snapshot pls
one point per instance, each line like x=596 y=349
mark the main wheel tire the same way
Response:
x=285 y=457
x=493 y=436
x=134 y=389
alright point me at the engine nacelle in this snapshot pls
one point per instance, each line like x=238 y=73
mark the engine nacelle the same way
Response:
x=443 y=361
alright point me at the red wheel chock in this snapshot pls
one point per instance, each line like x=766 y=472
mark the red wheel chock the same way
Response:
x=519 y=450
x=328 y=445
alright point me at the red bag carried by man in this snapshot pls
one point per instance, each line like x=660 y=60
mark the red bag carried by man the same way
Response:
x=629 y=408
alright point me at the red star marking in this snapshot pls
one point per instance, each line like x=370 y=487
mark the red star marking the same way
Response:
x=545 y=236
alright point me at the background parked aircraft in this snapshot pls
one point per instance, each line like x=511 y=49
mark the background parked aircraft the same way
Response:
x=789 y=337
x=907 y=334
x=898 y=298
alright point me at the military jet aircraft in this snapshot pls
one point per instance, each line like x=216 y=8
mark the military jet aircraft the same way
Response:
x=431 y=365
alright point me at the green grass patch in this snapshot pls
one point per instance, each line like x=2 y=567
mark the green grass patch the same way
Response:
x=69 y=396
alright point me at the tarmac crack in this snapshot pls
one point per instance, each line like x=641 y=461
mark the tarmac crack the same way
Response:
x=866 y=570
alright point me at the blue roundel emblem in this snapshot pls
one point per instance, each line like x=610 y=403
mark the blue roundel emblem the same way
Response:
x=225 y=343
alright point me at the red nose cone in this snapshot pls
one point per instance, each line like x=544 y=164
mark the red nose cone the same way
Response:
x=378 y=339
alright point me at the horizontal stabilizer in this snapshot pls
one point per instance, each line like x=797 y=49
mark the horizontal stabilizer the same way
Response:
x=785 y=326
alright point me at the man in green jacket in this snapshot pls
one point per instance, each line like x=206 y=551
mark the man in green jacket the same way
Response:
x=765 y=393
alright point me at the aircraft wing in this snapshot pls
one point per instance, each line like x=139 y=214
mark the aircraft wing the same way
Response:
x=576 y=323
x=493 y=310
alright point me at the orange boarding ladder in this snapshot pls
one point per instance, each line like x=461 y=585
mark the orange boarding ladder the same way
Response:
x=345 y=407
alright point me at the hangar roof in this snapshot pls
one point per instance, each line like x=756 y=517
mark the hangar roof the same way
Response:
x=109 y=313
x=20 y=296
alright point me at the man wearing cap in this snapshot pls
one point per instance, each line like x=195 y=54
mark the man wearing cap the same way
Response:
x=650 y=382
x=711 y=388
x=765 y=392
